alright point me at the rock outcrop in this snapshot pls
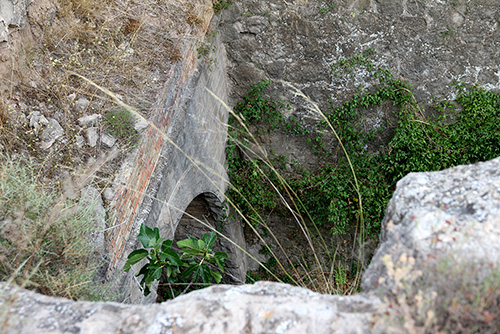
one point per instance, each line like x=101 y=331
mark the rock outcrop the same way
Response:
x=451 y=213
x=13 y=16
x=261 y=308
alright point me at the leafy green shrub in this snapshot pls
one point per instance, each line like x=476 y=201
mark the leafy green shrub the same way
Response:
x=45 y=241
x=350 y=190
x=418 y=144
x=120 y=123
x=195 y=259
x=250 y=191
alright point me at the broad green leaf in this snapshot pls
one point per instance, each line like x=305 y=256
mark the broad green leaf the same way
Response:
x=192 y=252
x=157 y=243
x=166 y=245
x=219 y=259
x=147 y=284
x=156 y=238
x=135 y=257
x=186 y=257
x=187 y=243
x=209 y=239
x=147 y=290
x=148 y=236
x=143 y=271
x=190 y=271
x=172 y=257
x=201 y=244
x=205 y=273
x=156 y=274
x=196 y=274
x=216 y=275
x=169 y=271
x=220 y=255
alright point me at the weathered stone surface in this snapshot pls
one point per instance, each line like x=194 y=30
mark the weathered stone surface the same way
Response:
x=51 y=133
x=431 y=44
x=140 y=124
x=12 y=16
x=92 y=136
x=261 y=308
x=80 y=141
x=407 y=35
x=81 y=104
x=89 y=121
x=37 y=120
x=451 y=213
x=193 y=166
x=14 y=12
x=108 y=194
x=454 y=213
x=108 y=140
x=4 y=31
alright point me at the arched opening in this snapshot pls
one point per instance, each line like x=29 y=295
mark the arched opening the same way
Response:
x=199 y=212
x=205 y=214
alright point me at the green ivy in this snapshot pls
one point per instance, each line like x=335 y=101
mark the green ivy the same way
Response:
x=451 y=136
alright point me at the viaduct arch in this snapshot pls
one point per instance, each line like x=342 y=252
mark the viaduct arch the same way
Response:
x=182 y=166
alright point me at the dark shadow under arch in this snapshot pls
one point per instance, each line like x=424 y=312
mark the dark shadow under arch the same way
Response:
x=205 y=207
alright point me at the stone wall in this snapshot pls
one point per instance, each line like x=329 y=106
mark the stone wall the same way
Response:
x=431 y=44
x=13 y=17
x=137 y=174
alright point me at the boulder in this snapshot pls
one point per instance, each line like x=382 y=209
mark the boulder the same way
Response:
x=51 y=133
x=452 y=213
x=264 y=307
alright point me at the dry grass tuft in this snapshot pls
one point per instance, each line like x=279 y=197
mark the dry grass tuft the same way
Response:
x=45 y=235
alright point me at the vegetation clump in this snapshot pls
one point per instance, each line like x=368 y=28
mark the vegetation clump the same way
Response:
x=350 y=190
x=45 y=239
x=120 y=123
x=195 y=264
x=220 y=5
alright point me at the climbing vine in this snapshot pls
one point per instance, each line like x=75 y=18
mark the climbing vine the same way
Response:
x=446 y=135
